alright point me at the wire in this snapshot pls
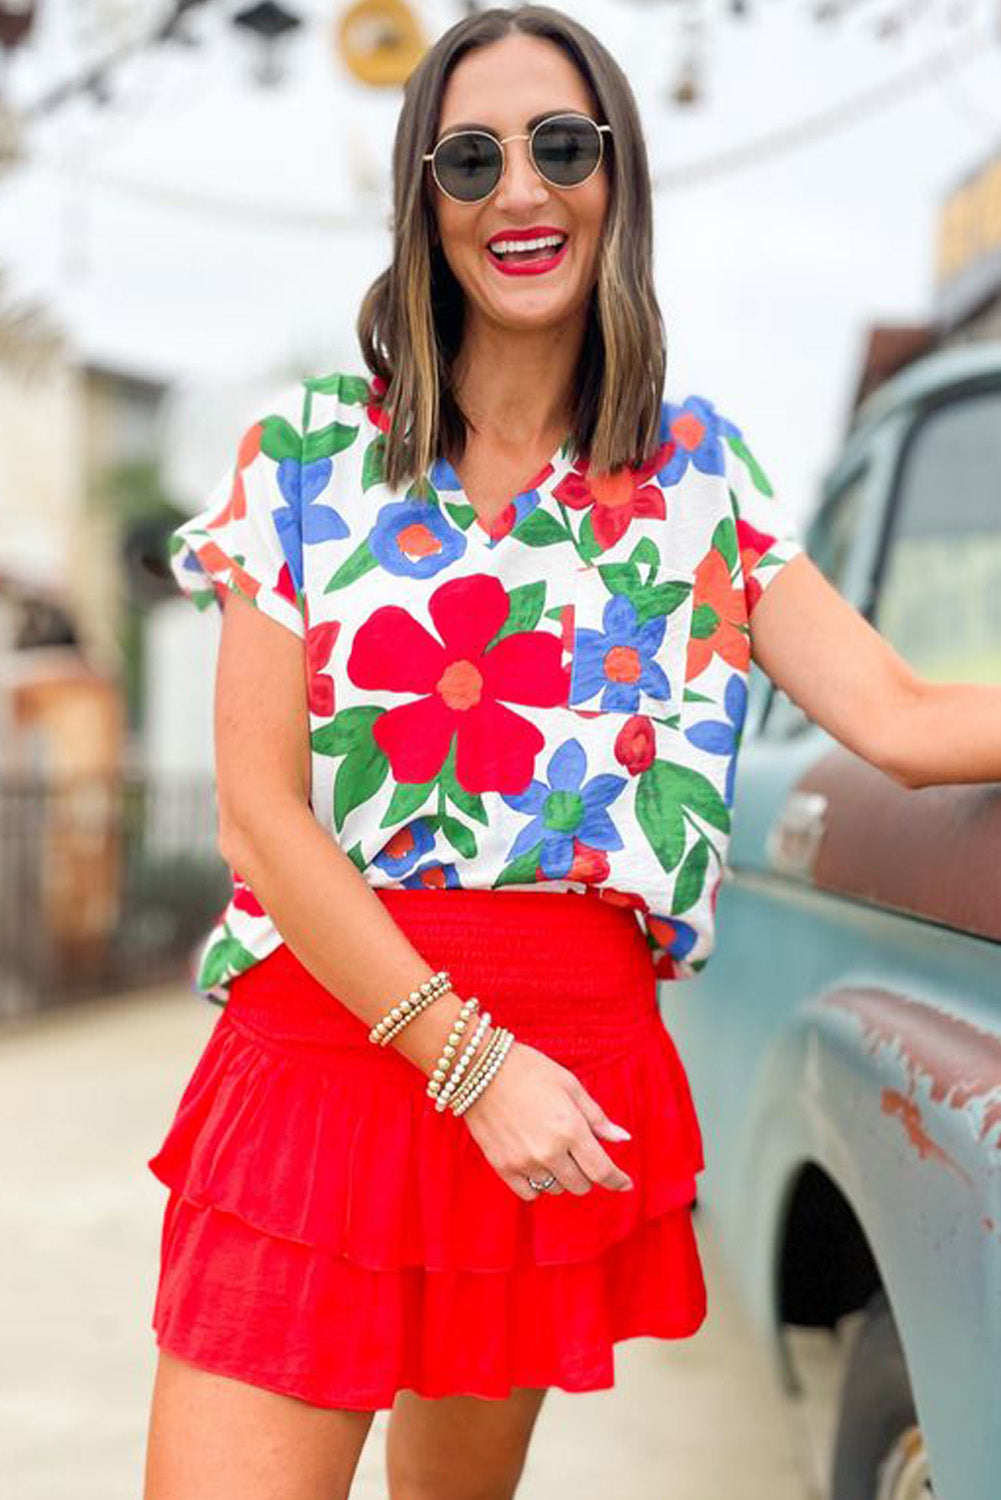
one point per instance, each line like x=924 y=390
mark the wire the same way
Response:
x=827 y=122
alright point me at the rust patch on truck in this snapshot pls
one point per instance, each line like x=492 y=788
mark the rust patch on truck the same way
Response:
x=929 y=852
x=960 y=1062
x=893 y=1102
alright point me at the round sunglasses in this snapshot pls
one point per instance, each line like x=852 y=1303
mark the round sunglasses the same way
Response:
x=565 y=149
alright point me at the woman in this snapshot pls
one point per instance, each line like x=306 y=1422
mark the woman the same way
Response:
x=520 y=592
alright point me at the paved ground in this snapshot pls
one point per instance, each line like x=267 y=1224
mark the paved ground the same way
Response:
x=84 y=1098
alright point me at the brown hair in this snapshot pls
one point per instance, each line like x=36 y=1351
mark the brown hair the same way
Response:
x=411 y=318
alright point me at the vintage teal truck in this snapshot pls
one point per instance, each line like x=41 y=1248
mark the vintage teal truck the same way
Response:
x=844 y=1044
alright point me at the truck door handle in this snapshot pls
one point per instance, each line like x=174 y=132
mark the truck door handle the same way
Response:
x=794 y=839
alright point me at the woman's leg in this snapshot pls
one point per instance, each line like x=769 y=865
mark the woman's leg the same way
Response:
x=216 y=1438
x=459 y=1447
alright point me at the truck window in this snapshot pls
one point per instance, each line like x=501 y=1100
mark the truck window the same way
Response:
x=938 y=596
x=832 y=539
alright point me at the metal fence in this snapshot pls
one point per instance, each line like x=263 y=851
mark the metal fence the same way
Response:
x=104 y=884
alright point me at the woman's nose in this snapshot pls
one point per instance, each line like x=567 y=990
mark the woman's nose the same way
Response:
x=520 y=180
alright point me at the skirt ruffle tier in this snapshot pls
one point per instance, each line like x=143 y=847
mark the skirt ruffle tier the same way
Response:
x=330 y=1235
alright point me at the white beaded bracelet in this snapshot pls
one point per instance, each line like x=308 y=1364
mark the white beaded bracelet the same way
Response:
x=397 y=1017
x=462 y=1063
x=440 y=1070
x=480 y=1067
x=503 y=1048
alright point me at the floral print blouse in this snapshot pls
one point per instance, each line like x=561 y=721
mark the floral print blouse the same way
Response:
x=553 y=701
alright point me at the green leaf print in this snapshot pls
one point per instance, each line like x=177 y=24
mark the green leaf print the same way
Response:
x=661 y=599
x=372 y=465
x=704 y=621
x=757 y=473
x=279 y=439
x=621 y=578
x=698 y=793
x=327 y=441
x=725 y=541
x=471 y=803
x=351 y=729
x=352 y=568
x=357 y=857
x=423 y=489
x=540 y=530
x=462 y=515
x=228 y=956
x=646 y=551
x=354 y=390
x=407 y=797
x=521 y=871
x=359 y=776
x=526 y=601
x=462 y=839
x=658 y=812
x=691 y=877
x=588 y=545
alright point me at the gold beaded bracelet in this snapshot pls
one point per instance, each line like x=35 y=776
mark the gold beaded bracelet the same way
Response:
x=441 y=1068
x=499 y=1047
x=461 y=1063
x=393 y=1022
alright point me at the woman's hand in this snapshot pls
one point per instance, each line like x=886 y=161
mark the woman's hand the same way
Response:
x=536 y=1117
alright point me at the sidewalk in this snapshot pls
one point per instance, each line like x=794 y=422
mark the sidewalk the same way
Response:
x=85 y=1095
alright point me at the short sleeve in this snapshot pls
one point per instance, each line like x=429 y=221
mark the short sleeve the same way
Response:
x=248 y=536
x=767 y=535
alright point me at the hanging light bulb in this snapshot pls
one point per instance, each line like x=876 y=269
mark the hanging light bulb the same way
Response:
x=269 y=23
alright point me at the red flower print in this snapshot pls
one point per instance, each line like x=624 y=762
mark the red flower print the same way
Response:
x=319 y=644
x=589 y=865
x=753 y=546
x=244 y=898
x=461 y=685
x=375 y=411
x=635 y=744
x=614 y=498
x=728 y=640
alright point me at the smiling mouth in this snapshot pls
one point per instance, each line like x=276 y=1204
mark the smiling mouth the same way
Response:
x=511 y=253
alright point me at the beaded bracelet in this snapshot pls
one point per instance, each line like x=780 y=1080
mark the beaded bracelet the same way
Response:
x=462 y=1063
x=440 y=1070
x=476 y=1089
x=479 y=1067
x=419 y=999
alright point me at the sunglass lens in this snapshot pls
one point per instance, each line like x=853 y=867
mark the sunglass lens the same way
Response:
x=567 y=151
x=468 y=166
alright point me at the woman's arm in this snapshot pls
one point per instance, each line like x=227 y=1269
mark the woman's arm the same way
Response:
x=535 y=1114
x=820 y=650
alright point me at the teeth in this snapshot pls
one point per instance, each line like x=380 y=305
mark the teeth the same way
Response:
x=504 y=247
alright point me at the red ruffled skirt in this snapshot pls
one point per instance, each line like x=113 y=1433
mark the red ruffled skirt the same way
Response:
x=331 y=1236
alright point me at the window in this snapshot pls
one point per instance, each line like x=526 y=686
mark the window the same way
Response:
x=939 y=596
x=832 y=538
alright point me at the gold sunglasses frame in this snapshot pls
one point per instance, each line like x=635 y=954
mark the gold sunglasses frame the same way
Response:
x=524 y=136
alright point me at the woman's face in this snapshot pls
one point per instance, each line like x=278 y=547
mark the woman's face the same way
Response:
x=502 y=86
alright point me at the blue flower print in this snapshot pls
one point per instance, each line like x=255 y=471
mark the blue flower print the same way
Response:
x=567 y=809
x=412 y=538
x=722 y=737
x=406 y=846
x=618 y=660
x=432 y=876
x=696 y=430
x=301 y=520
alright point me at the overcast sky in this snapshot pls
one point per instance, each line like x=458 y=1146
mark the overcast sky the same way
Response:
x=205 y=230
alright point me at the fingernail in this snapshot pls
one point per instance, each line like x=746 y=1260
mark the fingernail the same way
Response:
x=620 y=1133
x=627 y=1187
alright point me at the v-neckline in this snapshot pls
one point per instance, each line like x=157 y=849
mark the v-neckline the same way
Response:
x=446 y=481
